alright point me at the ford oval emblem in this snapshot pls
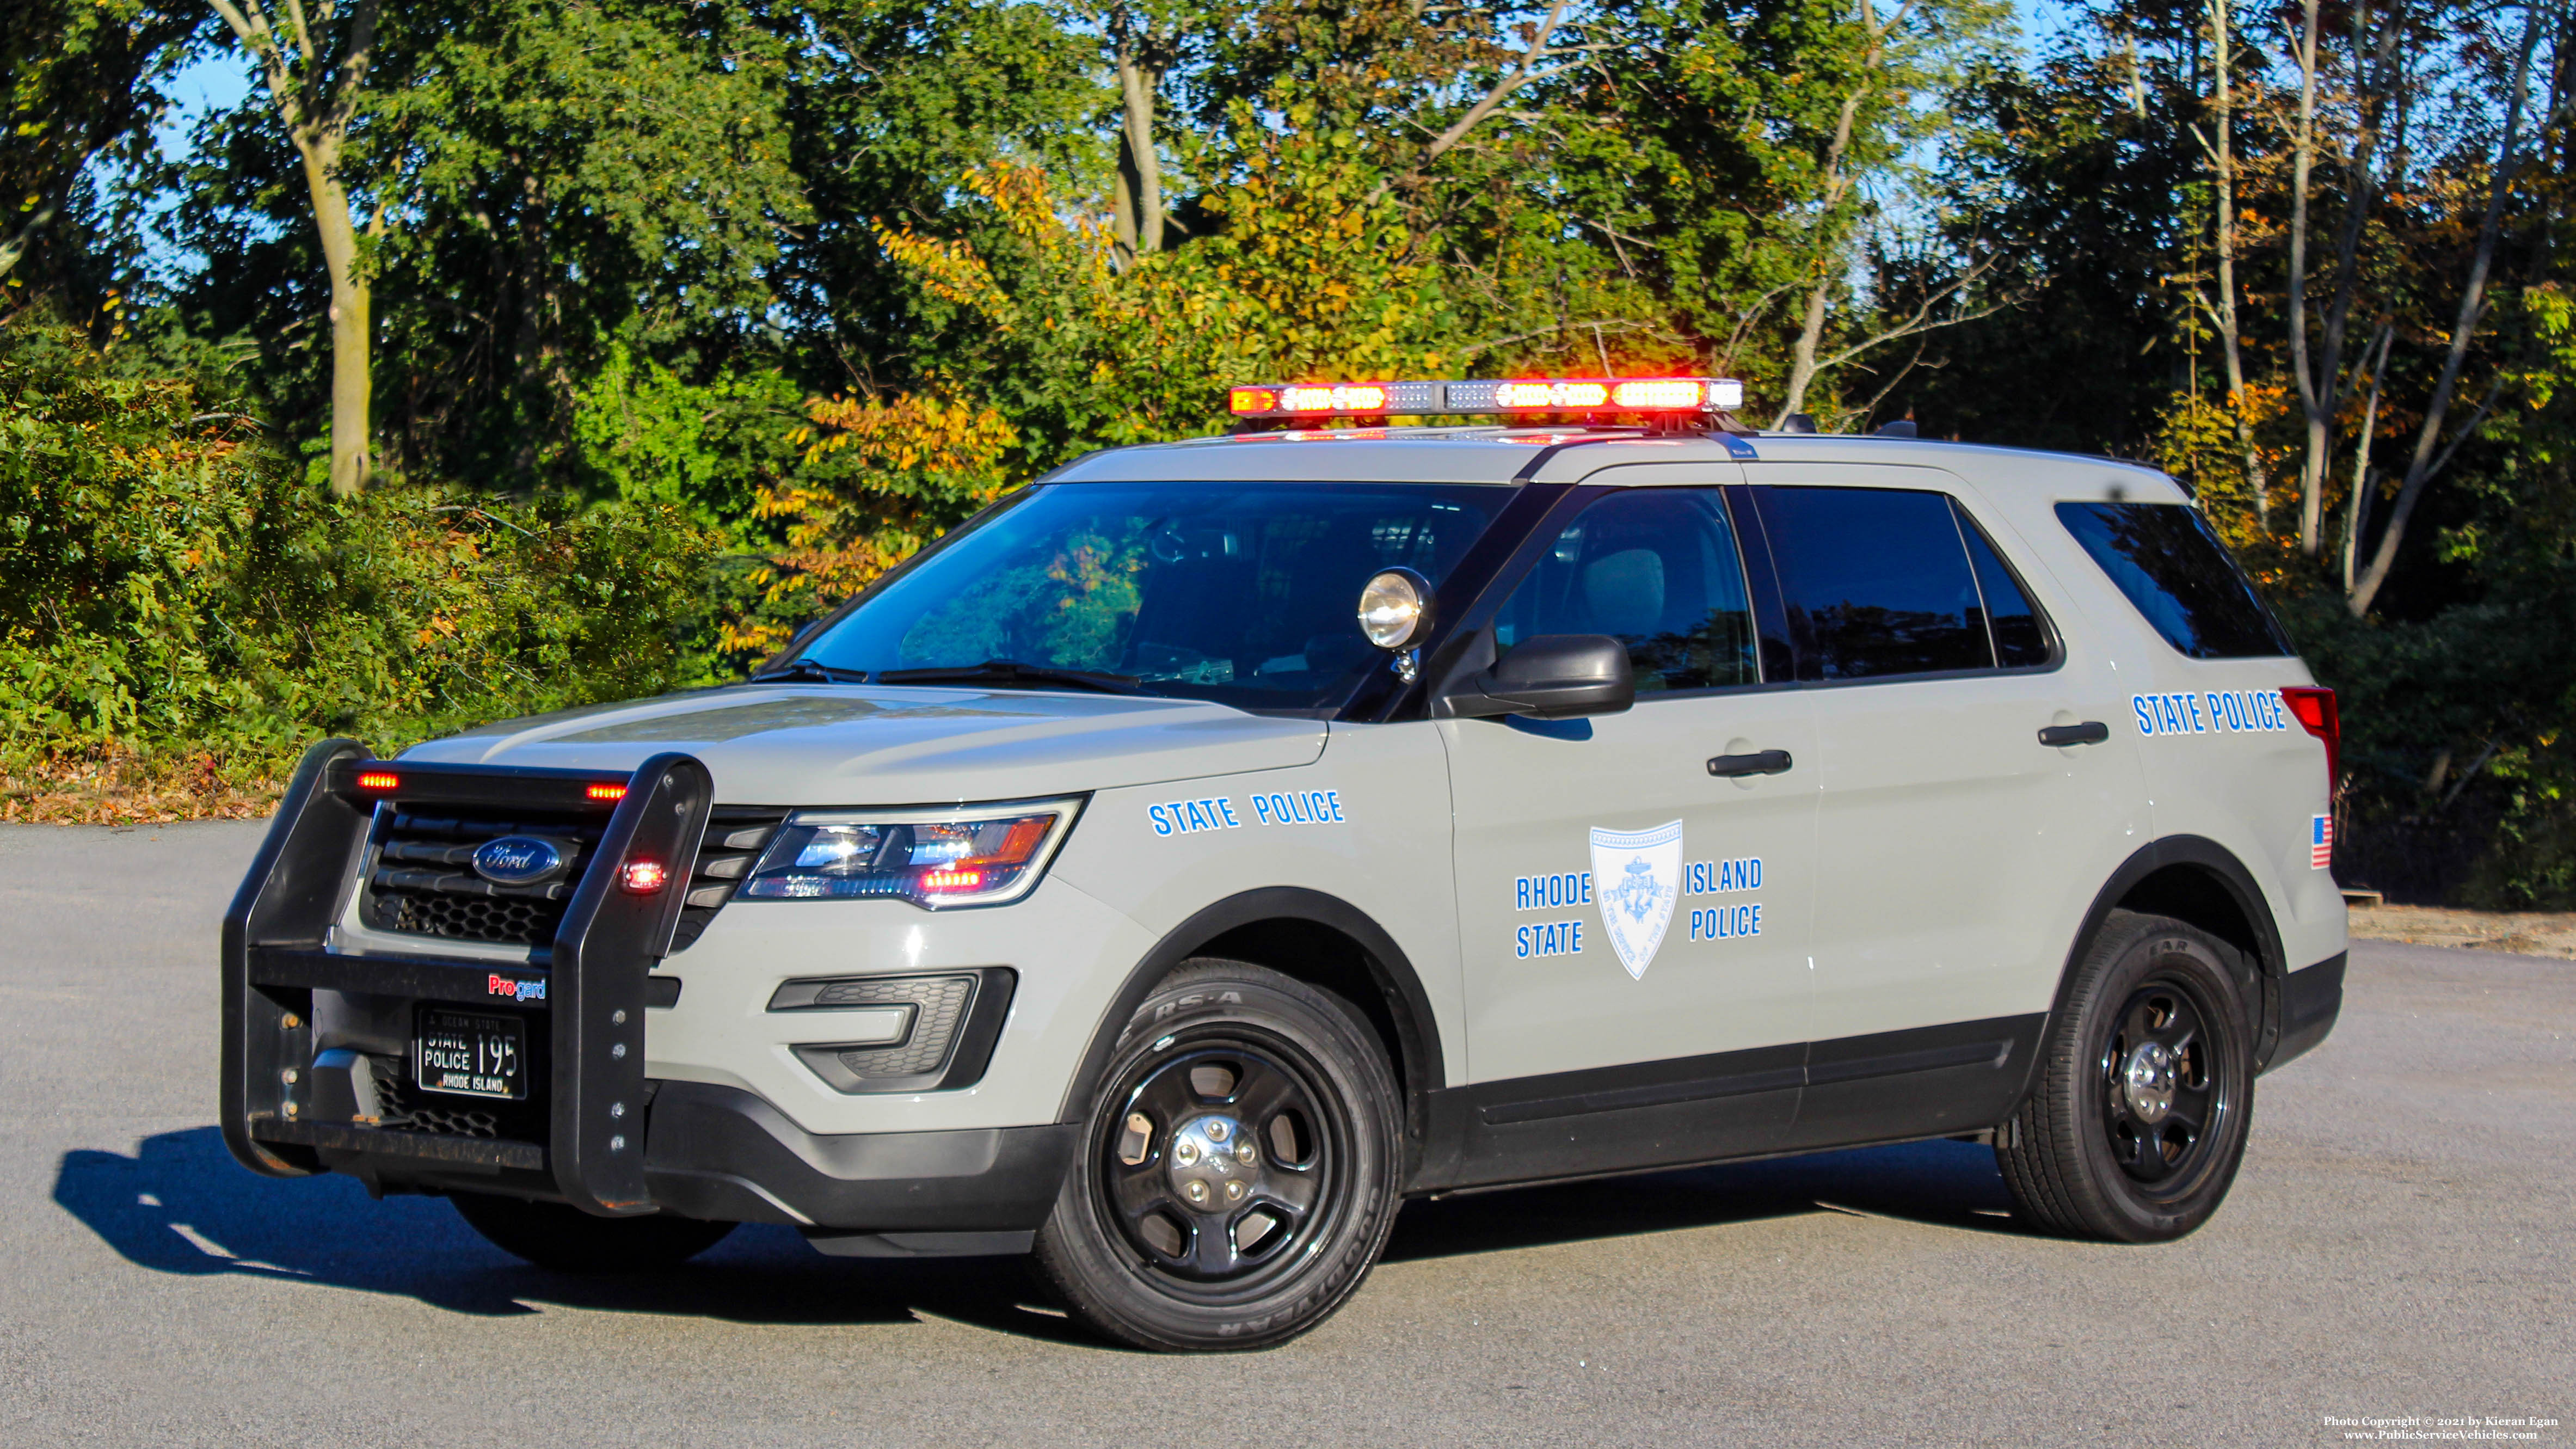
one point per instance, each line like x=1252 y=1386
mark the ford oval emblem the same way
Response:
x=518 y=860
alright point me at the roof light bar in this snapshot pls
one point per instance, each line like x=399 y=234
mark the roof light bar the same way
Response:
x=1516 y=395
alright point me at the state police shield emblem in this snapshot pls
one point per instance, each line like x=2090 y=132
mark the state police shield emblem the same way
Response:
x=1636 y=877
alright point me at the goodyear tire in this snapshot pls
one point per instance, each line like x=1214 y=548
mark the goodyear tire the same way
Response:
x=2137 y=1123
x=1239 y=1166
x=568 y=1240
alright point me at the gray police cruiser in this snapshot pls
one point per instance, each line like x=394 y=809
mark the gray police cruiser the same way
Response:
x=1211 y=845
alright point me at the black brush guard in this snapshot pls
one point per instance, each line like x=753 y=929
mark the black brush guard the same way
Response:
x=591 y=1011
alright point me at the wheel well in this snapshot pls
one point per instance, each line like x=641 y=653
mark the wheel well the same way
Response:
x=2193 y=894
x=1320 y=956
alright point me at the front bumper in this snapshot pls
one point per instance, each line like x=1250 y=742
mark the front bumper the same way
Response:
x=724 y=1154
x=595 y=1131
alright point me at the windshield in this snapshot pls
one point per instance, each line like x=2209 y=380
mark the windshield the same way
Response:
x=1244 y=593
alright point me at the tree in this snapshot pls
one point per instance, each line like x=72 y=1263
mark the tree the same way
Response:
x=316 y=77
x=79 y=83
x=2430 y=455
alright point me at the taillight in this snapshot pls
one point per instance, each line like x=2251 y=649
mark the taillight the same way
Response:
x=2314 y=709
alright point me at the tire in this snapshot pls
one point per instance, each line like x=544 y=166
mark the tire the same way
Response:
x=562 y=1237
x=2137 y=1123
x=1270 y=1100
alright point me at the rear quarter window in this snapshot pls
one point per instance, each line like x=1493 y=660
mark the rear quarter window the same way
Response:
x=2169 y=564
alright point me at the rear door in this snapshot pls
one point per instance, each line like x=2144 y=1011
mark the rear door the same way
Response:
x=1634 y=925
x=1957 y=850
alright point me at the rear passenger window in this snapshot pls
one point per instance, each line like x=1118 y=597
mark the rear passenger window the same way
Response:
x=1876 y=582
x=1656 y=568
x=2164 y=557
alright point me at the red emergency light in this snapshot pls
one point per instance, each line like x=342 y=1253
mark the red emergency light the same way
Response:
x=1648 y=395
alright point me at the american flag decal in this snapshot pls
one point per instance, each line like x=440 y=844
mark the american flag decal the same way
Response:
x=2320 y=841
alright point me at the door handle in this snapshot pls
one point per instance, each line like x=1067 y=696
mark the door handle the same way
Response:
x=1765 y=762
x=2091 y=732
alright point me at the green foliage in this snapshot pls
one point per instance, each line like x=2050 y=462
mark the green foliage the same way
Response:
x=725 y=308
x=79 y=82
x=647 y=435
x=170 y=584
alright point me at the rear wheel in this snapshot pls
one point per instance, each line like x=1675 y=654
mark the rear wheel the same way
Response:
x=2136 y=1126
x=562 y=1237
x=1238 y=1169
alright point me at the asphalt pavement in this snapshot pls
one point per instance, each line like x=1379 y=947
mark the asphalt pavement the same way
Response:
x=2398 y=1244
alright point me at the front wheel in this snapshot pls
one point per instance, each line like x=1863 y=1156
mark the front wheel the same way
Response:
x=1239 y=1166
x=2134 y=1131
x=562 y=1237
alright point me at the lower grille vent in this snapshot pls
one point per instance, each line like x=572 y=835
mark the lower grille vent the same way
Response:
x=407 y=1108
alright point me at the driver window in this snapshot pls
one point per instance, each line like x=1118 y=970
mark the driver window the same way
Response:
x=1655 y=568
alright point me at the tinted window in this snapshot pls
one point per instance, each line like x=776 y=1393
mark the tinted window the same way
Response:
x=2163 y=556
x=1876 y=582
x=1657 y=569
x=2020 y=639
x=1246 y=593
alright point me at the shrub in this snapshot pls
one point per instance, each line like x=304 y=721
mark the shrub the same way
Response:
x=181 y=611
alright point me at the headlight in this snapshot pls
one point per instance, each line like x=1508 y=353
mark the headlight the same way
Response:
x=974 y=855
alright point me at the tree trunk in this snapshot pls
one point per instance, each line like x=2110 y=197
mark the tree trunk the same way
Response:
x=352 y=326
x=2356 y=513
x=316 y=100
x=2421 y=467
x=16 y=246
x=2229 y=334
x=2303 y=147
x=1137 y=205
x=1811 y=327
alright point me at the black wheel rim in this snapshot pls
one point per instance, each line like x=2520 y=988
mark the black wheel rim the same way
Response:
x=1223 y=1162
x=2166 y=1086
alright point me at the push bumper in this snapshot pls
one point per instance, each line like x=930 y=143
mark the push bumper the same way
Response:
x=594 y=1131
x=2311 y=999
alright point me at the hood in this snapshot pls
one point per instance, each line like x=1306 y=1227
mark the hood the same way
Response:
x=859 y=745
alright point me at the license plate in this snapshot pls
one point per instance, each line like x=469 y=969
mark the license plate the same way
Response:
x=470 y=1055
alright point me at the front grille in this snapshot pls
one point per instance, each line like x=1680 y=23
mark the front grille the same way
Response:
x=422 y=882
x=421 y=879
x=406 y=1108
x=736 y=835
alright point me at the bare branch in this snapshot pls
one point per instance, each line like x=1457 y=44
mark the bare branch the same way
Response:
x=1921 y=319
x=2467 y=430
x=1513 y=78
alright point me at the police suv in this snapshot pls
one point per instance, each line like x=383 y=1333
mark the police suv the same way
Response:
x=1211 y=845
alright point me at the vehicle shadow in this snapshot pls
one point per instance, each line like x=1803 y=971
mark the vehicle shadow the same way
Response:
x=181 y=1205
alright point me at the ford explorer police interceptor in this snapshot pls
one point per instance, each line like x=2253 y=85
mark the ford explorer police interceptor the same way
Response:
x=1211 y=845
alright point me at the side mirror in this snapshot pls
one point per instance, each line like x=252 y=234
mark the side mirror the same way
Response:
x=1554 y=676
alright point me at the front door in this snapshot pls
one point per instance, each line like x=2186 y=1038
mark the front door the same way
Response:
x=1633 y=918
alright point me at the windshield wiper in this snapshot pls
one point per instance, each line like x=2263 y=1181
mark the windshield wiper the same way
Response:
x=808 y=669
x=1012 y=671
